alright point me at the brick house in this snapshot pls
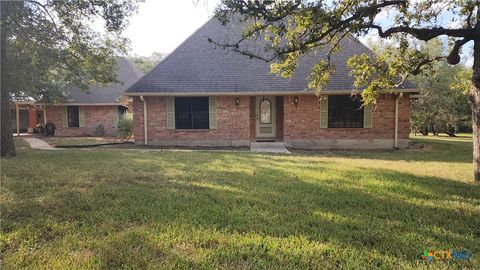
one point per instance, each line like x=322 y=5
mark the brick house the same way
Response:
x=83 y=112
x=202 y=95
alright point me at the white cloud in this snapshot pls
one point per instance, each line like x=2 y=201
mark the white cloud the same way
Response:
x=160 y=26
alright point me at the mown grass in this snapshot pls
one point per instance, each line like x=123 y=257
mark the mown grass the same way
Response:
x=148 y=209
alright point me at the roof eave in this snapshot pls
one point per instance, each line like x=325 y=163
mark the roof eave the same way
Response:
x=78 y=104
x=332 y=92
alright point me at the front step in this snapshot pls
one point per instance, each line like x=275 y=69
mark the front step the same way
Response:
x=266 y=139
x=269 y=147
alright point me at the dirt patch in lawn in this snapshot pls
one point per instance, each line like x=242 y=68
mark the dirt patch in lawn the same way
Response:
x=81 y=141
x=186 y=148
x=413 y=146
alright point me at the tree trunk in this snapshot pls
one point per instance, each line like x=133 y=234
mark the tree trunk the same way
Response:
x=7 y=144
x=424 y=131
x=474 y=99
x=451 y=131
x=433 y=129
x=475 y=104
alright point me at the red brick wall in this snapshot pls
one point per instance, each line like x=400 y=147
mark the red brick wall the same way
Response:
x=253 y=128
x=232 y=122
x=301 y=122
x=94 y=115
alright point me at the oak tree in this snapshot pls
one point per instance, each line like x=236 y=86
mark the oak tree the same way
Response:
x=293 y=28
x=47 y=44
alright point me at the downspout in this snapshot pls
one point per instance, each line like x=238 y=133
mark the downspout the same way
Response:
x=144 y=119
x=44 y=115
x=395 y=142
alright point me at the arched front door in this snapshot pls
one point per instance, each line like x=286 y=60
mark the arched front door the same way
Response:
x=265 y=117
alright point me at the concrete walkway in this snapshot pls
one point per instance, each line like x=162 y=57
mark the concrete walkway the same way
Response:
x=37 y=143
x=269 y=147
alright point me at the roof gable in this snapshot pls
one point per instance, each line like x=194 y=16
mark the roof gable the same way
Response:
x=198 y=66
x=127 y=74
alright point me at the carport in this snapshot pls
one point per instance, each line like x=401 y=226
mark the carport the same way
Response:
x=26 y=115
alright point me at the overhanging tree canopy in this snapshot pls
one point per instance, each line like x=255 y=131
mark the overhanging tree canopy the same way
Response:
x=293 y=28
x=46 y=44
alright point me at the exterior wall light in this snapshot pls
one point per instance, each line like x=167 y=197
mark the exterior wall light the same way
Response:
x=295 y=100
x=237 y=101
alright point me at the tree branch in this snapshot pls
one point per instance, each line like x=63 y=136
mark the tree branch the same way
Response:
x=419 y=66
x=424 y=34
x=338 y=26
x=454 y=56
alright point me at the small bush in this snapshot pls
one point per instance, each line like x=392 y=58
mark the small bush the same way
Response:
x=125 y=126
x=99 y=130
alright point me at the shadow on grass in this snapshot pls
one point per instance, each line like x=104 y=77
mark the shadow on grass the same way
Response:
x=379 y=214
x=435 y=150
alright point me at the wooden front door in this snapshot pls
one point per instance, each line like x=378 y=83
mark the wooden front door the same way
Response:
x=265 y=117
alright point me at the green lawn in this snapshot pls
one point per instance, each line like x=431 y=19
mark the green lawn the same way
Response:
x=141 y=209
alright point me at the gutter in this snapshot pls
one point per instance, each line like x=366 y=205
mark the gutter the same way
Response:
x=144 y=120
x=395 y=142
x=417 y=96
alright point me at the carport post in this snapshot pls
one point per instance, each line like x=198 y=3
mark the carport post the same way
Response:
x=18 y=118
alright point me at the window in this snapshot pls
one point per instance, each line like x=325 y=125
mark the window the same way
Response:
x=191 y=113
x=73 y=116
x=265 y=111
x=122 y=110
x=345 y=112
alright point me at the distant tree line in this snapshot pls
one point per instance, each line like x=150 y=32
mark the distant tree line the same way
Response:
x=443 y=107
x=146 y=63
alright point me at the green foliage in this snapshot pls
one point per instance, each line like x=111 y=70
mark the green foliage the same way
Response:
x=287 y=67
x=441 y=109
x=444 y=106
x=386 y=69
x=320 y=76
x=48 y=44
x=148 y=209
x=462 y=81
x=146 y=63
x=293 y=28
x=99 y=130
x=51 y=44
x=124 y=126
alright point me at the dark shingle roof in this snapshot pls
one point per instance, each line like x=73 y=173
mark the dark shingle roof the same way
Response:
x=127 y=74
x=197 y=66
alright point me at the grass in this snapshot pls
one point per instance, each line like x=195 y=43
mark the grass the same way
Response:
x=460 y=137
x=148 y=209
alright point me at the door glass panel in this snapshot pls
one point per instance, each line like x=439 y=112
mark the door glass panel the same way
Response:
x=265 y=111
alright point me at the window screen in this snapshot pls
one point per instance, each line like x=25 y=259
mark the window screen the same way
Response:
x=345 y=112
x=191 y=113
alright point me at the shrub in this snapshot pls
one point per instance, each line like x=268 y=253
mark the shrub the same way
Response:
x=124 y=126
x=99 y=130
